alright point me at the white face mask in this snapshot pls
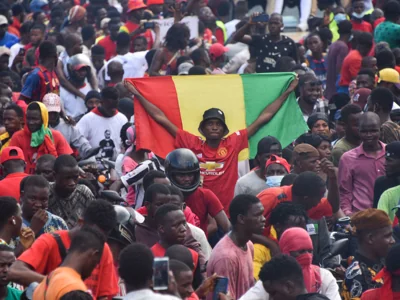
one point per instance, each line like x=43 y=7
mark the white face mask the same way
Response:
x=274 y=181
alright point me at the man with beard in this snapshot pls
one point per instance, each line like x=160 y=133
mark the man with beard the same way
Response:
x=78 y=67
x=309 y=101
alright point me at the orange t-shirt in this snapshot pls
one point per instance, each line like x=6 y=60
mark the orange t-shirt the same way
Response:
x=271 y=197
x=44 y=257
x=58 y=283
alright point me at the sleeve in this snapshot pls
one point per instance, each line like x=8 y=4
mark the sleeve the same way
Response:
x=341 y=55
x=136 y=176
x=38 y=254
x=62 y=145
x=384 y=200
x=345 y=185
x=324 y=242
x=214 y=206
x=185 y=139
x=62 y=224
x=239 y=188
x=108 y=282
x=80 y=142
x=329 y=286
x=261 y=256
x=226 y=267
x=240 y=139
x=354 y=67
x=323 y=209
x=219 y=34
x=32 y=83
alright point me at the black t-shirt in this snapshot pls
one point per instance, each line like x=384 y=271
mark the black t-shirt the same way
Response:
x=268 y=52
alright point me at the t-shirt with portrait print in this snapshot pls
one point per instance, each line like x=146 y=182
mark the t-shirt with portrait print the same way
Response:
x=268 y=52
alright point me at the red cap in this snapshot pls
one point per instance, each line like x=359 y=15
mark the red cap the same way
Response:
x=11 y=153
x=217 y=50
x=135 y=4
x=278 y=160
x=155 y=2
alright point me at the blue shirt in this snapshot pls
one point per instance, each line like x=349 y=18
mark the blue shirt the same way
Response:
x=53 y=223
x=9 y=40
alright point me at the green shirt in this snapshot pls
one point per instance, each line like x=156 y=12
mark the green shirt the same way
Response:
x=341 y=147
x=13 y=294
x=389 y=199
x=388 y=32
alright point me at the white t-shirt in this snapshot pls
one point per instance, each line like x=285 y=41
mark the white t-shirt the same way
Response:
x=134 y=64
x=329 y=288
x=14 y=50
x=74 y=106
x=103 y=132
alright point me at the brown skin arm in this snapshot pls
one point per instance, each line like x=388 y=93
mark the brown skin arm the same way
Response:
x=268 y=113
x=117 y=185
x=153 y=110
x=212 y=226
x=333 y=187
x=267 y=242
x=65 y=83
x=242 y=34
x=157 y=63
x=21 y=273
x=222 y=221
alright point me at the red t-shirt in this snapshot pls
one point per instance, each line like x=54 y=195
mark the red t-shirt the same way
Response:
x=375 y=294
x=109 y=46
x=131 y=27
x=159 y=251
x=44 y=257
x=10 y=185
x=271 y=197
x=379 y=21
x=218 y=167
x=363 y=26
x=203 y=202
x=350 y=68
x=20 y=139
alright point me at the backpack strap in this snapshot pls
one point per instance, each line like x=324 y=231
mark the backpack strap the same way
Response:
x=61 y=248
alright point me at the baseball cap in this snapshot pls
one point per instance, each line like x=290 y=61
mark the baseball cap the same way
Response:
x=393 y=150
x=184 y=68
x=104 y=22
x=302 y=150
x=154 y=2
x=278 y=160
x=11 y=153
x=135 y=4
x=389 y=75
x=214 y=113
x=217 y=50
x=52 y=102
x=79 y=61
x=3 y=20
x=360 y=97
x=4 y=51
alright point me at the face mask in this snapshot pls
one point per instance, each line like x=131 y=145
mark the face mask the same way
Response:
x=274 y=181
x=358 y=16
x=339 y=18
x=304 y=259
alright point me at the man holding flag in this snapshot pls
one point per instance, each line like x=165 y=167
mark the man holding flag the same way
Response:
x=218 y=156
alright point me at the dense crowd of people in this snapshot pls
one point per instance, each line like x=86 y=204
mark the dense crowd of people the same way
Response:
x=87 y=213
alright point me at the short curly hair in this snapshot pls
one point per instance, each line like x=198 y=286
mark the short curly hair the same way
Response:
x=102 y=214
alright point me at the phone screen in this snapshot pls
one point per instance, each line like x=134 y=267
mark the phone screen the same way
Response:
x=263 y=18
x=221 y=286
x=160 y=273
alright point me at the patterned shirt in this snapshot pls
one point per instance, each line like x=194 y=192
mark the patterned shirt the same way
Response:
x=358 y=277
x=53 y=223
x=72 y=207
x=319 y=67
x=321 y=106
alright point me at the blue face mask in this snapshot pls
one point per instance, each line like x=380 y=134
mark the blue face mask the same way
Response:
x=274 y=181
x=339 y=18
x=358 y=16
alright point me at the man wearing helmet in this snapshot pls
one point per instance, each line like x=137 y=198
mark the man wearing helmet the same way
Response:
x=183 y=170
x=218 y=156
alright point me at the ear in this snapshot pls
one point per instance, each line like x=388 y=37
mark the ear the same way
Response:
x=160 y=228
x=370 y=238
x=240 y=219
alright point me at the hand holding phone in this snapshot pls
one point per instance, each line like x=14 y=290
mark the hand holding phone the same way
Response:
x=221 y=286
x=160 y=273
x=261 y=18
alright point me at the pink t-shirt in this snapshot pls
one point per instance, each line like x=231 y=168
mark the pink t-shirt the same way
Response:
x=128 y=164
x=228 y=260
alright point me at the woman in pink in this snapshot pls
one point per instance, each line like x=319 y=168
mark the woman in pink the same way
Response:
x=296 y=242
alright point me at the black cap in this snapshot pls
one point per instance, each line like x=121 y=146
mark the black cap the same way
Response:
x=214 y=113
x=393 y=150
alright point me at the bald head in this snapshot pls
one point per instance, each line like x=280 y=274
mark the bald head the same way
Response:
x=369 y=118
x=115 y=69
x=276 y=16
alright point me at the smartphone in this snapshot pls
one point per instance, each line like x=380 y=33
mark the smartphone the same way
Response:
x=262 y=18
x=221 y=286
x=160 y=273
x=149 y=25
x=21 y=52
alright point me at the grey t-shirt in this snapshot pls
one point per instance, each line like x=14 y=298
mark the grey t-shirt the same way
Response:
x=250 y=184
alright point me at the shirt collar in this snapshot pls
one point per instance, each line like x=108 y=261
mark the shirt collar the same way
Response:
x=360 y=151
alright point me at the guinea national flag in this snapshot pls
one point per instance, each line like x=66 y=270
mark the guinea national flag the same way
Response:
x=184 y=99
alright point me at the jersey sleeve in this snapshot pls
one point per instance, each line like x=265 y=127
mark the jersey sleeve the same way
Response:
x=214 y=206
x=323 y=209
x=185 y=139
x=240 y=139
x=32 y=83
x=38 y=254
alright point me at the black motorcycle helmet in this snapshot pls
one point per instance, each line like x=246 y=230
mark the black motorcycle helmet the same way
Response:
x=182 y=161
x=123 y=232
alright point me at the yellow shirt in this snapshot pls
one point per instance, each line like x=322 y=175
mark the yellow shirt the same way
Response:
x=4 y=136
x=58 y=283
x=261 y=255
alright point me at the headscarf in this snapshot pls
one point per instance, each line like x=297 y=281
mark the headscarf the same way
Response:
x=314 y=118
x=131 y=139
x=43 y=138
x=76 y=14
x=296 y=239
